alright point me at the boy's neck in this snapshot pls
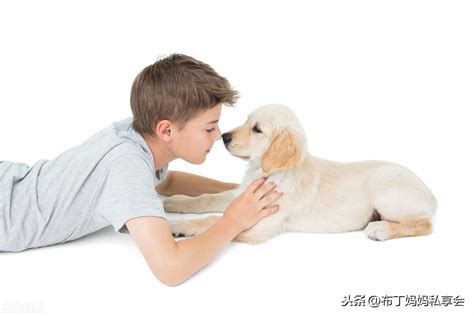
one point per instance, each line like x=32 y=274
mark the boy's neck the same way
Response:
x=161 y=154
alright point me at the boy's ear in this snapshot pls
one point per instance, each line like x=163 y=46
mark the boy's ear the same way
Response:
x=163 y=130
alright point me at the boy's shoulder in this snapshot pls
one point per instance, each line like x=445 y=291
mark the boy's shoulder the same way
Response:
x=119 y=137
x=107 y=147
x=133 y=146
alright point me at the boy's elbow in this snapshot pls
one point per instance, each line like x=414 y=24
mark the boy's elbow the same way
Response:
x=171 y=283
x=169 y=275
x=168 y=279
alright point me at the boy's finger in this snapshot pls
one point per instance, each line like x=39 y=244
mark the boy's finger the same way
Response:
x=271 y=198
x=269 y=211
x=256 y=184
x=265 y=189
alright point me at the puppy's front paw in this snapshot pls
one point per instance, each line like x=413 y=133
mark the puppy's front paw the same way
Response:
x=176 y=204
x=249 y=237
x=378 y=231
x=180 y=228
x=192 y=227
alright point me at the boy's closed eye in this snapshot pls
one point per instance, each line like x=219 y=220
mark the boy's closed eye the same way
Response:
x=211 y=130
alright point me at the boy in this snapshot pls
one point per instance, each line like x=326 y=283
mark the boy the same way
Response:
x=111 y=178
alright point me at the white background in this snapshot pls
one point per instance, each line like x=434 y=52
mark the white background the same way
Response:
x=386 y=80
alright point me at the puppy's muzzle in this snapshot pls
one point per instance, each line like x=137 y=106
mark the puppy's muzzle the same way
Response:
x=226 y=138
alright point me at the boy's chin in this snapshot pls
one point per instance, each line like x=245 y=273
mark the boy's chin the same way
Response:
x=197 y=160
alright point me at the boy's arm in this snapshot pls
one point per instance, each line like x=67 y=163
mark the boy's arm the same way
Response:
x=173 y=262
x=177 y=182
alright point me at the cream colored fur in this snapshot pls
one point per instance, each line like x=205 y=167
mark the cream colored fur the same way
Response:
x=321 y=196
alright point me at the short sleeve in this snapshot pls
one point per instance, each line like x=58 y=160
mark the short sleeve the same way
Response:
x=129 y=192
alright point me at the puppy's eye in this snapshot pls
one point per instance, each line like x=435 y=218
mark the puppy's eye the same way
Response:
x=256 y=129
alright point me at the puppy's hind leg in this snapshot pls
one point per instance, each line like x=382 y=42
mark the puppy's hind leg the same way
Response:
x=384 y=230
x=398 y=218
x=405 y=205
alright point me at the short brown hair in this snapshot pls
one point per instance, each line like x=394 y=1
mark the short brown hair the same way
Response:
x=176 y=88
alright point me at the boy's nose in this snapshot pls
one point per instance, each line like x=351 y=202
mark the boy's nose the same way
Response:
x=226 y=138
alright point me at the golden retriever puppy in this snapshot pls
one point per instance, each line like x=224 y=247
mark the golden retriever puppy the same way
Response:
x=321 y=196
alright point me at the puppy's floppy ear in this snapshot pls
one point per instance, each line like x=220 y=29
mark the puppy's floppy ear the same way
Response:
x=284 y=152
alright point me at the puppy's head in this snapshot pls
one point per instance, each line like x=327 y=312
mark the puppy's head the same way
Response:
x=271 y=135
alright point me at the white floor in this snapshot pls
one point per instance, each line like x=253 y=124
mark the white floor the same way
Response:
x=298 y=274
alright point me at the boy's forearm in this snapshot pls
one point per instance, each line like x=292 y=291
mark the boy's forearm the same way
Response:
x=194 y=253
x=192 y=185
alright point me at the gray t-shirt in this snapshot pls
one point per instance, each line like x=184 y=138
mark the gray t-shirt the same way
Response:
x=107 y=180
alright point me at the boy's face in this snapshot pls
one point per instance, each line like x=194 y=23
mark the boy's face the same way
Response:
x=195 y=140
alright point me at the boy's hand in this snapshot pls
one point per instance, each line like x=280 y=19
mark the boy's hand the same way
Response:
x=253 y=204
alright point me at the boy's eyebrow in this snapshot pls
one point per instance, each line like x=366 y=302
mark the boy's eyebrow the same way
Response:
x=213 y=122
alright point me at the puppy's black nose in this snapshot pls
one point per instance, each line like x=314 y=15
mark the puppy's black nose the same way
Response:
x=226 y=138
